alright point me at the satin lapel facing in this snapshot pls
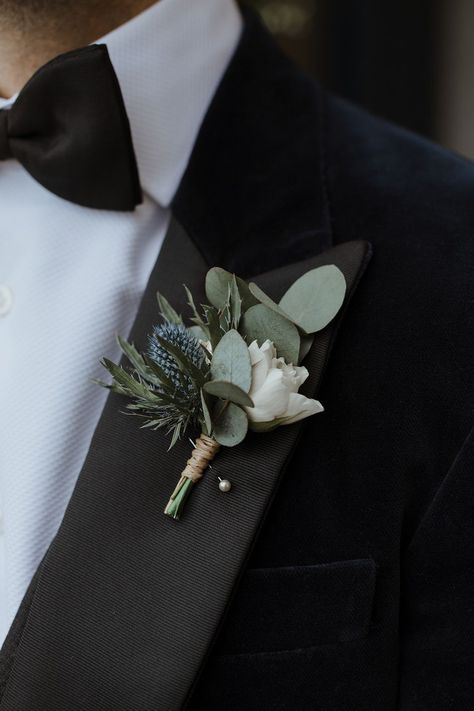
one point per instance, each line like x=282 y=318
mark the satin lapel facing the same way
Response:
x=128 y=601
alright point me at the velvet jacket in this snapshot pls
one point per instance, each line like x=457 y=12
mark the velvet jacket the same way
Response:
x=356 y=591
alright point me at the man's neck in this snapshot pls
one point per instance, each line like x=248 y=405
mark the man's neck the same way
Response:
x=28 y=42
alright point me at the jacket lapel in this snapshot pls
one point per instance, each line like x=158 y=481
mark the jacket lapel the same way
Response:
x=125 y=606
x=127 y=601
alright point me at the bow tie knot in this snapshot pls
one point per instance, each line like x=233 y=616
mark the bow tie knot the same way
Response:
x=69 y=129
x=5 y=151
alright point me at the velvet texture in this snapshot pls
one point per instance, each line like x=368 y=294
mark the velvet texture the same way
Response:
x=358 y=593
x=386 y=473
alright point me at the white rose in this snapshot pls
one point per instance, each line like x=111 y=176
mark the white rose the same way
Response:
x=274 y=390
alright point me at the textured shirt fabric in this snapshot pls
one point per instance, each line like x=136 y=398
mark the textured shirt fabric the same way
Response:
x=72 y=277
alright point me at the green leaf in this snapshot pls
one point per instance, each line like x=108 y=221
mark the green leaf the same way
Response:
x=231 y=361
x=185 y=364
x=213 y=325
x=228 y=391
x=217 y=289
x=206 y=413
x=230 y=426
x=235 y=303
x=266 y=301
x=167 y=311
x=138 y=361
x=127 y=382
x=160 y=375
x=198 y=333
x=315 y=298
x=261 y=323
x=197 y=319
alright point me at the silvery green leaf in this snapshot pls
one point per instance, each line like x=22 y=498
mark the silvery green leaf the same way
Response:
x=315 y=298
x=167 y=311
x=235 y=302
x=198 y=333
x=126 y=382
x=228 y=391
x=213 y=325
x=230 y=425
x=217 y=289
x=267 y=301
x=137 y=360
x=231 y=361
x=260 y=323
x=206 y=413
x=196 y=316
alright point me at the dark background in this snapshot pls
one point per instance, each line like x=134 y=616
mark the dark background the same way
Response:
x=411 y=61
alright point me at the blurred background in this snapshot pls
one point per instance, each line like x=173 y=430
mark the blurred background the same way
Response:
x=411 y=61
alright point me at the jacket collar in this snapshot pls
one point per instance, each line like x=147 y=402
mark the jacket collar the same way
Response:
x=254 y=194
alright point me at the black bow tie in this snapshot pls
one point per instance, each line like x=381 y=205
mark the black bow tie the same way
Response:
x=70 y=131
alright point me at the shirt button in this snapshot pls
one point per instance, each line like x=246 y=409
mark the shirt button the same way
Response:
x=6 y=299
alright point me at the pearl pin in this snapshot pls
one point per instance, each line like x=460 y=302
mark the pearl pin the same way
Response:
x=224 y=485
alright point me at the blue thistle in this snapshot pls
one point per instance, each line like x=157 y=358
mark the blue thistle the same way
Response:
x=179 y=337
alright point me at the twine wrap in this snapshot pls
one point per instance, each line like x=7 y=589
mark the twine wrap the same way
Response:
x=204 y=452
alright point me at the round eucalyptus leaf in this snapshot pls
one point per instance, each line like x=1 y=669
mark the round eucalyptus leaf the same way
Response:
x=261 y=323
x=315 y=298
x=230 y=425
x=228 y=391
x=231 y=361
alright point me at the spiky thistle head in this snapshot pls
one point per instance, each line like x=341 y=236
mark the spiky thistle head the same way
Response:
x=180 y=337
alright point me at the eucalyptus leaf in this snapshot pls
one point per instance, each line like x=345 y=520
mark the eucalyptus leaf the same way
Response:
x=230 y=425
x=315 y=298
x=231 y=361
x=235 y=303
x=198 y=333
x=260 y=323
x=167 y=311
x=217 y=289
x=228 y=391
x=267 y=301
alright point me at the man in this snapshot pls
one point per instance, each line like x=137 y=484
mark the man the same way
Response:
x=350 y=585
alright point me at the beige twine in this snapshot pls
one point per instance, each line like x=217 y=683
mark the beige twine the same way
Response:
x=204 y=452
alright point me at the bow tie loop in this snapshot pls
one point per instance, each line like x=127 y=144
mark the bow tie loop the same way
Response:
x=69 y=129
x=5 y=150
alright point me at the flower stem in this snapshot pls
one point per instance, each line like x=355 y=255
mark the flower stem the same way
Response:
x=204 y=452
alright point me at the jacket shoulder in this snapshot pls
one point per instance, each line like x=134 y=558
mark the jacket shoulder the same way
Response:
x=384 y=176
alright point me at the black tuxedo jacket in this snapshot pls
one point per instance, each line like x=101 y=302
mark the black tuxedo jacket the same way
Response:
x=339 y=573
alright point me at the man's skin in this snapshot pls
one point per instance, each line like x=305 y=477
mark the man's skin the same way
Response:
x=34 y=31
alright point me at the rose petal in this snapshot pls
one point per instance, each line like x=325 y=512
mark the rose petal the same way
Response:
x=300 y=407
x=271 y=400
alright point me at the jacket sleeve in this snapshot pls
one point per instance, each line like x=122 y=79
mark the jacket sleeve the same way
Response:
x=437 y=598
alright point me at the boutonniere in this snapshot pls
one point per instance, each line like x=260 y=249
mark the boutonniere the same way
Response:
x=236 y=368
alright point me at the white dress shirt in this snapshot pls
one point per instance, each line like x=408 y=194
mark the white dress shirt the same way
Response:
x=72 y=277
